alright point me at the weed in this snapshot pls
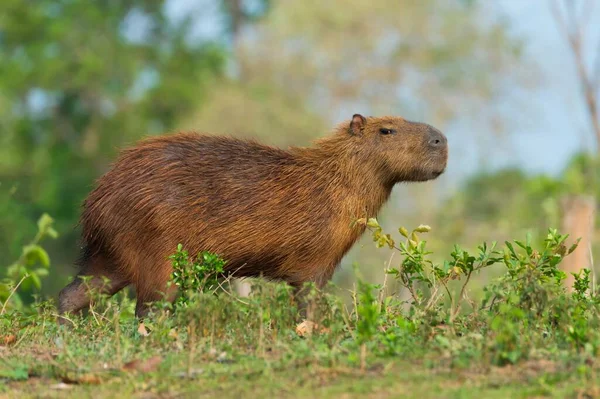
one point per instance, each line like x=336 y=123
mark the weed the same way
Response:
x=199 y=274
x=27 y=272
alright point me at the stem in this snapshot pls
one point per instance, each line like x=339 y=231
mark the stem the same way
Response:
x=382 y=292
x=433 y=298
x=118 y=339
x=448 y=292
x=261 y=333
x=192 y=341
x=363 y=357
x=456 y=309
x=408 y=285
x=12 y=293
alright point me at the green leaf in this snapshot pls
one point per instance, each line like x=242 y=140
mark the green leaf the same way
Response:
x=37 y=282
x=512 y=250
x=52 y=233
x=573 y=247
x=521 y=244
x=372 y=222
x=423 y=228
x=17 y=373
x=45 y=222
x=414 y=237
x=34 y=254
x=41 y=272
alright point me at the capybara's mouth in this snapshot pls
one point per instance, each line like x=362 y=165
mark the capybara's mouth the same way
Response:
x=438 y=172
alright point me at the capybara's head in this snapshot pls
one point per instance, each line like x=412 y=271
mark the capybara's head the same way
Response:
x=403 y=150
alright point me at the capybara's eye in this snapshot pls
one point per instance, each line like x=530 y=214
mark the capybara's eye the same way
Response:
x=387 y=131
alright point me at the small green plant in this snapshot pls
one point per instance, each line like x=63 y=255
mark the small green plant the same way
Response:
x=417 y=272
x=367 y=312
x=525 y=305
x=534 y=276
x=195 y=275
x=581 y=285
x=530 y=272
x=27 y=272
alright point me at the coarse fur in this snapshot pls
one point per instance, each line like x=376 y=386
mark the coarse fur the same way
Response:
x=280 y=214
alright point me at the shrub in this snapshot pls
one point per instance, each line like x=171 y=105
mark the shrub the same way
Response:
x=27 y=272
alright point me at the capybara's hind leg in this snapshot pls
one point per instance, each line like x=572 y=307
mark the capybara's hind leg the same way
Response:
x=305 y=310
x=75 y=296
x=152 y=288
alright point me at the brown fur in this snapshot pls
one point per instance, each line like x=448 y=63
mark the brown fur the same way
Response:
x=285 y=215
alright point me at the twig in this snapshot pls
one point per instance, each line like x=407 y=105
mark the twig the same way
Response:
x=192 y=347
x=59 y=316
x=383 y=288
x=94 y=313
x=230 y=294
x=573 y=33
x=433 y=298
x=596 y=80
x=460 y=297
x=448 y=292
x=12 y=293
x=408 y=284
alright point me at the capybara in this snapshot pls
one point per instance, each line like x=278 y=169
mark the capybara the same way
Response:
x=280 y=214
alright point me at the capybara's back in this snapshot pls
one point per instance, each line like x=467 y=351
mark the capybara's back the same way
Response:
x=280 y=214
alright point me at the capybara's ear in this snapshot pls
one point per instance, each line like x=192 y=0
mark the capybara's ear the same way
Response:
x=358 y=124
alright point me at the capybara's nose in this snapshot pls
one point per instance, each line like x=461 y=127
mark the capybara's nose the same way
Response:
x=437 y=138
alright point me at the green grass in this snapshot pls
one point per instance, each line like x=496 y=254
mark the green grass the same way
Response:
x=88 y=361
x=246 y=377
x=525 y=337
x=217 y=347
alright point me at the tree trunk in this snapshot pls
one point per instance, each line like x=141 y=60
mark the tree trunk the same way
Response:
x=578 y=221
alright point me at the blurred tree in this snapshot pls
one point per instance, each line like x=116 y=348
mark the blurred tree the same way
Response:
x=573 y=19
x=438 y=58
x=255 y=106
x=579 y=211
x=79 y=79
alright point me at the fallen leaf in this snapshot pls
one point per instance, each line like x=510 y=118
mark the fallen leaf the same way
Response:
x=305 y=328
x=7 y=340
x=142 y=330
x=144 y=366
x=89 y=379
x=308 y=327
